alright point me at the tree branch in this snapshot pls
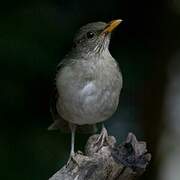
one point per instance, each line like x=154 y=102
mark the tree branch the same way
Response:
x=108 y=161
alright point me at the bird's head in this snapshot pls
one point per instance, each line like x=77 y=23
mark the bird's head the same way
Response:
x=94 y=37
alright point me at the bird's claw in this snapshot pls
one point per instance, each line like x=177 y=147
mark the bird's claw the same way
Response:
x=72 y=159
x=102 y=139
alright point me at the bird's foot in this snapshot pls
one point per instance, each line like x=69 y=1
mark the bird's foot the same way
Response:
x=102 y=139
x=72 y=158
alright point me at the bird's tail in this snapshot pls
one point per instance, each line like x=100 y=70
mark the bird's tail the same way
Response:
x=64 y=126
x=54 y=126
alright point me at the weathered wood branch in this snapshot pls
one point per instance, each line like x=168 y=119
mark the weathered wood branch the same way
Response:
x=109 y=161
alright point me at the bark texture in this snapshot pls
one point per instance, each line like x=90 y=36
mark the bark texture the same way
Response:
x=107 y=161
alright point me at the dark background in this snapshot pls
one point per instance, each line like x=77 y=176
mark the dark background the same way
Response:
x=35 y=35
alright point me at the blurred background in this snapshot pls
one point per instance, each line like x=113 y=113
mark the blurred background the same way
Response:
x=34 y=37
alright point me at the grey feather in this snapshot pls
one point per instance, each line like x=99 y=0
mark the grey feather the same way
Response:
x=59 y=122
x=88 y=82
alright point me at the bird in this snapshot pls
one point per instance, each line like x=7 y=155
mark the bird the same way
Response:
x=88 y=82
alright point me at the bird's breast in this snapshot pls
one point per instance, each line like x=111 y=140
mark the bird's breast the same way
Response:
x=89 y=94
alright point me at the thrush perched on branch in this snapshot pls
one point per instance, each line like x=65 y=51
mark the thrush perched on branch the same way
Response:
x=88 y=82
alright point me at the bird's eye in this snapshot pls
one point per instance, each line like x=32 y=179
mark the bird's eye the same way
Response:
x=90 y=34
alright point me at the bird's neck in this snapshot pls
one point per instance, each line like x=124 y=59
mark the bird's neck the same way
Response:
x=93 y=55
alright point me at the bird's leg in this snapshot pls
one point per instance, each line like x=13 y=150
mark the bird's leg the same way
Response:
x=103 y=137
x=72 y=153
x=73 y=131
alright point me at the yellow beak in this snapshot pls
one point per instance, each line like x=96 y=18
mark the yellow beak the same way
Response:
x=111 y=26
